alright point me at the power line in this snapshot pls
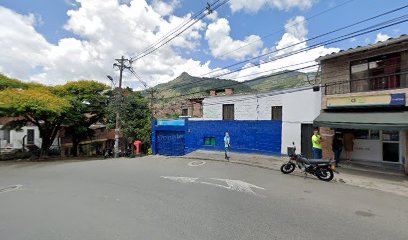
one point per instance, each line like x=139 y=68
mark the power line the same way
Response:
x=348 y=36
x=178 y=33
x=273 y=93
x=273 y=33
x=313 y=38
x=174 y=30
x=282 y=29
x=333 y=40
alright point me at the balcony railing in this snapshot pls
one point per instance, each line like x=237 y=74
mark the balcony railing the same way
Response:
x=383 y=82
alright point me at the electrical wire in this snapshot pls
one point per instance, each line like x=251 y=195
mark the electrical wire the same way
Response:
x=174 y=30
x=291 y=46
x=164 y=42
x=337 y=39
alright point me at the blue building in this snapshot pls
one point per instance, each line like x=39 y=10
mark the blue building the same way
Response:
x=179 y=137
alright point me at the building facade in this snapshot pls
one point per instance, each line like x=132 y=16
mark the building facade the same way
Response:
x=18 y=139
x=179 y=137
x=365 y=92
x=295 y=109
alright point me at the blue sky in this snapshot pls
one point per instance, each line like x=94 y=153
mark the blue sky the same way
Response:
x=51 y=20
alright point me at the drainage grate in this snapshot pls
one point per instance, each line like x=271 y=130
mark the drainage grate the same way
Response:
x=10 y=188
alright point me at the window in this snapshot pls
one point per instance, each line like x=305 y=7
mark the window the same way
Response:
x=209 y=141
x=5 y=135
x=374 y=135
x=390 y=136
x=228 y=112
x=184 y=112
x=30 y=136
x=377 y=73
x=276 y=113
x=361 y=134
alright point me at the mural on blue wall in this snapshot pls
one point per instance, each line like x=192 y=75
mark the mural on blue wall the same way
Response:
x=176 y=138
x=246 y=136
x=168 y=137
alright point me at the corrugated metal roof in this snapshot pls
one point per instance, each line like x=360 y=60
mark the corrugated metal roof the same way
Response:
x=387 y=42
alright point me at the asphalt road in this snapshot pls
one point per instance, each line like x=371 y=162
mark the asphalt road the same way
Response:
x=159 y=198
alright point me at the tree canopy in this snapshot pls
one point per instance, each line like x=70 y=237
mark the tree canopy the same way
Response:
x=78 y=104
x=135 y=117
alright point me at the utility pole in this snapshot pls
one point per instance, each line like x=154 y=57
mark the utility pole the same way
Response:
x=152 y=91
x=121 y=64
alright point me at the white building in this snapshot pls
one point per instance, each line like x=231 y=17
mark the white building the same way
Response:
x=296 y=108
x=13 y=139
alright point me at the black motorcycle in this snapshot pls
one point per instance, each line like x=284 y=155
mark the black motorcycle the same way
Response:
x=108 y=153
x=319 y=168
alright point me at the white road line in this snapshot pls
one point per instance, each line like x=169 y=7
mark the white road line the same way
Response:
x=196 y=163
x=181 y=179
x=10 y=188
x=234 y=185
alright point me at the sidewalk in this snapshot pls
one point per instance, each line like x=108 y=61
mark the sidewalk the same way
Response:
x=377 y=179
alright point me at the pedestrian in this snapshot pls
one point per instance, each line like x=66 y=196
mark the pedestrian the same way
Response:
x=227 y=145
x=348 y=138
x=317 y=144
x=337 y=147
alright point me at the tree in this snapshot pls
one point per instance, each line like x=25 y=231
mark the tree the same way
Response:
x=89 y=104
x=75 y=105
x=38 y=106
x=135 y=117
x=6 y=82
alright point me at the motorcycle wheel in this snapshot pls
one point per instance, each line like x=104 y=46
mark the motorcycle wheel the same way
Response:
x=325 y=174
x=287 y=168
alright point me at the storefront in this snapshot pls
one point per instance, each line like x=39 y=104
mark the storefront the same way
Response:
x=379 y=136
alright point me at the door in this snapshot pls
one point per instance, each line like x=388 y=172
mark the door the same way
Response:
x=390 y=142
x=306 y=140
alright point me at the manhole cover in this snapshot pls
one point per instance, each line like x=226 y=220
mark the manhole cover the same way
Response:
x=10 y=188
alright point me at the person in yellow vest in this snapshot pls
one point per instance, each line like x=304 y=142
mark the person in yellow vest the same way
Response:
x=317 y=145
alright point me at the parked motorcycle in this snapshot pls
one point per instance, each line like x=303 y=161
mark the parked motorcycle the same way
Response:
x=319 y=168
x=108 y=153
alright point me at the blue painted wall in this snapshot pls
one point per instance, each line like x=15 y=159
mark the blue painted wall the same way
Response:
x=168 y=137
x=263 y=137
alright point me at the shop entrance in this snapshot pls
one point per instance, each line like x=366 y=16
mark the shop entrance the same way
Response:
x=390 y=146
x=375 y=145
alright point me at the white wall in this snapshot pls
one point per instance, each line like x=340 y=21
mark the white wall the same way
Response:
x=298 y=106
x=16 y=137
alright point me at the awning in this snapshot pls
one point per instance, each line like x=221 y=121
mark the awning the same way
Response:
x=363 y=120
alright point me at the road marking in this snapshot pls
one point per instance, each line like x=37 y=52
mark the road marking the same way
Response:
x=196 y=163
x=234 y=185
x=181 y=179
x=10 y=188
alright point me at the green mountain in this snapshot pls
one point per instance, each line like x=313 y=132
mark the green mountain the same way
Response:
x=280 y=80
x=187 y=84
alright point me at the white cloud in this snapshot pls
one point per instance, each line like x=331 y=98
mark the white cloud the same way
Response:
x=292 y=40
x=165 y=8
x=106 y=31
x=381 y=37
x=22 y=48
x=213 y=16
x=222 y=45
x=255 y=5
